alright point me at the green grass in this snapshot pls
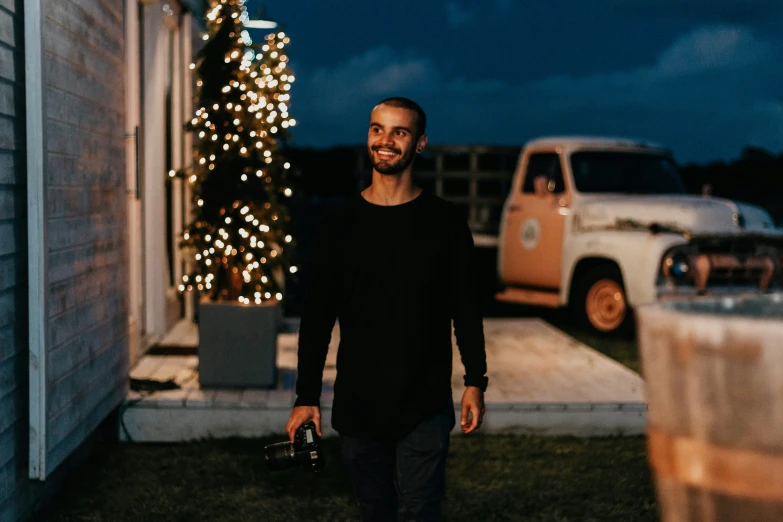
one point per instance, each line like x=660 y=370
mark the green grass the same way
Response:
x=490 y=478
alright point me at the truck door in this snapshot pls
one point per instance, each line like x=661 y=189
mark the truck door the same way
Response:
x=535 y=223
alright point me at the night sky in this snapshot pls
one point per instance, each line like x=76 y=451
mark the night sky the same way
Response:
x=703 y=77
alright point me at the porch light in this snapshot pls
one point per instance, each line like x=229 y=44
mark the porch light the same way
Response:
x=259 y=24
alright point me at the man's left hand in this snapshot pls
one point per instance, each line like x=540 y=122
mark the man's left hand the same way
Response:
x=472 y=409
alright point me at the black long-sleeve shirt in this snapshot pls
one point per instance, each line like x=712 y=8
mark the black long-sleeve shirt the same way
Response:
x=394 y=277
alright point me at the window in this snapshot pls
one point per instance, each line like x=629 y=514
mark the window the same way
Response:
x=625 y=173
x=547 y=165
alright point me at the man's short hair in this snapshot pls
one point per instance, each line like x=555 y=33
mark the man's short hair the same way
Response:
x=405 y=103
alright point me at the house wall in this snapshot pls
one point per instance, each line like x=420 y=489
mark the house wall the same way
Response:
x=86 y=248
x=84 y=149
x=13 y=259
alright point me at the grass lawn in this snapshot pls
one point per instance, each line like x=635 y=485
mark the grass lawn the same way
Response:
x=492 y=477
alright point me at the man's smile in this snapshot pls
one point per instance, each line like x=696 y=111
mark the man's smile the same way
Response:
x=386 y=152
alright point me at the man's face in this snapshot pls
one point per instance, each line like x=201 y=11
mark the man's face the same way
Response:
x=392 y=140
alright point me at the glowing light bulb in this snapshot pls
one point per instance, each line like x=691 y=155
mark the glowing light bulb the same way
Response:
x=293 y=269
x=286 y=165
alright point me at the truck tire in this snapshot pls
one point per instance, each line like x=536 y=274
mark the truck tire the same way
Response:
x=599 y=302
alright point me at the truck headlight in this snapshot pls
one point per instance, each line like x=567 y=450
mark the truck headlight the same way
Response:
x=676 y=266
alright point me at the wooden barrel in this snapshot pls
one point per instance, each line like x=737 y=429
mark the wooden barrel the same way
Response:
x=713 y=371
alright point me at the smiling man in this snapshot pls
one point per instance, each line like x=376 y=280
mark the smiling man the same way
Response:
x=395 y=266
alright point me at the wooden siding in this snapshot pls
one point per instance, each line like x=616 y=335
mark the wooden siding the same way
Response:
x=84 y=161
x=13 y=262
x=84 y=151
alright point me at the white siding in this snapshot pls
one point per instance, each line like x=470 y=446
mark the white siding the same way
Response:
x=84 y=163
x=84 y=166
x=13 y=260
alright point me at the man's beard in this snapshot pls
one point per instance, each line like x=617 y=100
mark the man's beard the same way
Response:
x=396 y=166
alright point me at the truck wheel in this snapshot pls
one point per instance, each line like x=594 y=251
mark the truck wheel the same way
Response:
x=600 y=303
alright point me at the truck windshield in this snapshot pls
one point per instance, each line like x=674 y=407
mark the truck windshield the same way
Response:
x=625 y=173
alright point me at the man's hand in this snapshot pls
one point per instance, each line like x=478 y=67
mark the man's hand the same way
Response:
x=299 y=416
x=473 y=404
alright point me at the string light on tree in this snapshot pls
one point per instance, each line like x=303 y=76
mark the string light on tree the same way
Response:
x=246 y=87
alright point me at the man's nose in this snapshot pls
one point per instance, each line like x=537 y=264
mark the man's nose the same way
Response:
x=386 y=139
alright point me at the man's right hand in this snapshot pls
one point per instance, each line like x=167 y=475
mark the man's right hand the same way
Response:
x=299 y=416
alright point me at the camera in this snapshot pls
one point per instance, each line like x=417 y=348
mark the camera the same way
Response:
x=304 y=452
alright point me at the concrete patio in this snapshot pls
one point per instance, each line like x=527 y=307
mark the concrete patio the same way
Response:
x=541 y=382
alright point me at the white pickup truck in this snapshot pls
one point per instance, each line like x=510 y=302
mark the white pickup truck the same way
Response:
x=603 y=225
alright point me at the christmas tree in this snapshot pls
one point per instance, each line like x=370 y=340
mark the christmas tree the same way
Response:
x=239 y=177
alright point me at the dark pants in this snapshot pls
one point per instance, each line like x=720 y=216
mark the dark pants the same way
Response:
x=402 y=480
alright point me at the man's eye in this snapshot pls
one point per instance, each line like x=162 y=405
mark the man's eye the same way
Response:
x=400 y=133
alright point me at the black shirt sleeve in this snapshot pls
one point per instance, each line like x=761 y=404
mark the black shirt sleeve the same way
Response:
x=468 y=326
x=319 y=313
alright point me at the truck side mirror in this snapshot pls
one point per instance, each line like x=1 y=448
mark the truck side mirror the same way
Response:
x=540 y=186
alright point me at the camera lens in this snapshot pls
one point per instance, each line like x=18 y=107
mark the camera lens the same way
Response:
x=280 y=456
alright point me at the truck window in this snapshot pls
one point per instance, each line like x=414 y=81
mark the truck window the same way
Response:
x=544 y=164
x=625 y=173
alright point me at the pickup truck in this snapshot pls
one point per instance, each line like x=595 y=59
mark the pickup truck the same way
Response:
x=602 y=225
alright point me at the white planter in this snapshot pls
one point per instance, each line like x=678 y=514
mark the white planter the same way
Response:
x=238 y=344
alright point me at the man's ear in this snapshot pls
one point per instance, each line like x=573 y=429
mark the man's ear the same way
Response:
x=421 y=143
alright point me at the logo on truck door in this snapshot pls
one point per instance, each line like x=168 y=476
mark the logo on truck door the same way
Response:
x=531 y=233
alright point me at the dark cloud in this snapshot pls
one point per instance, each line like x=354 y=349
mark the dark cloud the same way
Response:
x=709 y=93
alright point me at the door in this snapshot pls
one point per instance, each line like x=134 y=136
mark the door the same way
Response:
x=535 y=224
x=134 y=161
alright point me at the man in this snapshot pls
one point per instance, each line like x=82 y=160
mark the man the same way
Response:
x=395 y=265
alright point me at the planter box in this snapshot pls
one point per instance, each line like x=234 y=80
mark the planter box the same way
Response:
x=238 y=344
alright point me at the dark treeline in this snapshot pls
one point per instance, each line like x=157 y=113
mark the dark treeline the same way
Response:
x=755 y=177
